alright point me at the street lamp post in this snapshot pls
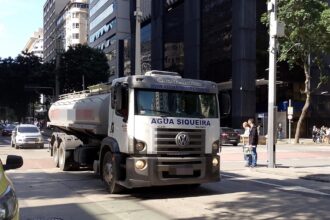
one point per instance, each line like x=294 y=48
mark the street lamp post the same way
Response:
x=57 y=67
x=138 y=15
x=272 y=7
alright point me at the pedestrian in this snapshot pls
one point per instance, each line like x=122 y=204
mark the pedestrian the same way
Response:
x=253 y=142
x=279 y=131
x=246 y=148
x=314 y=133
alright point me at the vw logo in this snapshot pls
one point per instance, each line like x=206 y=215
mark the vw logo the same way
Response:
x=182 y=139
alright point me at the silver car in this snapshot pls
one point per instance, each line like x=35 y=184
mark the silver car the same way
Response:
x=26 y=135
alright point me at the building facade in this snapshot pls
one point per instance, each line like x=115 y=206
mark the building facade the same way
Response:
x=219 y=40
x=109 y=27
x=35 y=44
x=204 y=40
x=51 y=10
x=72 y=24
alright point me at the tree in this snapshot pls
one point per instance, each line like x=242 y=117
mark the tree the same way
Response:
x=80 y=62
x=307 y=34
x=26 y=70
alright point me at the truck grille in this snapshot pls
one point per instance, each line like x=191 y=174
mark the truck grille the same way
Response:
x=165 y=141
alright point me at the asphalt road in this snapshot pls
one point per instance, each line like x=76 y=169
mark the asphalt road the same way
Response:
x=46 y=193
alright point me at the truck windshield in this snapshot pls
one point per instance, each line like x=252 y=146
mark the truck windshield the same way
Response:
x=175 y=104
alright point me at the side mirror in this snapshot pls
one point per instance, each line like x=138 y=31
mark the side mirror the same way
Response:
x=119 y=97
x=116 y=97
x=13 y=162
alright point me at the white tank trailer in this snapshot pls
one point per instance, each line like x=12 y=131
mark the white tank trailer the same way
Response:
x=147 y=130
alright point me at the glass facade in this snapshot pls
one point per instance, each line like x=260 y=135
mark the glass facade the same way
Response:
x=146 y=48
x=106 y=28
x=173 y=33
x=106 y=13
x=96 y=7
x=216 y=40
x=127 y=57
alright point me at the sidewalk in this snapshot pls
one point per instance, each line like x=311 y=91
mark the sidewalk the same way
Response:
x=321 y=174
x=306 y=160
x=302 y=141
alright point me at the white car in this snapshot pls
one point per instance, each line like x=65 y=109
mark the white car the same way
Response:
x=26 y=135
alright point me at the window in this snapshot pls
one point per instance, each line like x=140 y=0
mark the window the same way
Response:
x=75 y=36
x=111 y=55
x=96 y=7
x=106 y=28
x=174 y=39
x=75 y=15
x=75 y=25
x=106 y=13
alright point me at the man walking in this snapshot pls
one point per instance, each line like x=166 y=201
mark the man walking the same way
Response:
x=253 y=142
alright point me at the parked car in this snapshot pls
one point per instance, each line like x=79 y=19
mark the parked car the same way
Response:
x=240 y=131
x=7 y=130
x=9 y=208
x=26 y=135
x=229 y=136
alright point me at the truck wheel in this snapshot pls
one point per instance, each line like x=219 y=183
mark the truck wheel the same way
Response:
x=63 y=157
x=55 y=154
x=109 y=174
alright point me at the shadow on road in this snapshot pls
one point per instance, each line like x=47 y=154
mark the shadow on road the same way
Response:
x=232 y=198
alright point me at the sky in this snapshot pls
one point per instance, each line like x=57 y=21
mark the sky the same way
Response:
x=19 y=19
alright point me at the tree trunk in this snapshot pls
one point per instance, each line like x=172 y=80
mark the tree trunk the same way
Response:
x=307 y=92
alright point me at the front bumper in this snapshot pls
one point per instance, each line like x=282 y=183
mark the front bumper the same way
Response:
x=29 y=144
x=162 y=171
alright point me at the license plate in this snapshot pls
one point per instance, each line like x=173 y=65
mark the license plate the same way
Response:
x=183 y=171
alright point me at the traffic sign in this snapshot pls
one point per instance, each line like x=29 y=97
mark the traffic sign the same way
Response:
x=290 y=110
x=289 y=117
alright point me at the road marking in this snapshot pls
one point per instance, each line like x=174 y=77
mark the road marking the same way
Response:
x=285 y=188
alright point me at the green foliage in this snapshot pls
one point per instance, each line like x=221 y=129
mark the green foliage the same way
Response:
x=82 y=61
x=16 y=75
x=307 y=29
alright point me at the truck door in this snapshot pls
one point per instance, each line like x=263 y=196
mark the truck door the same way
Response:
x=119 y=103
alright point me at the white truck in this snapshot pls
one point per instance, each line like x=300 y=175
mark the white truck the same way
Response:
x=143 y=130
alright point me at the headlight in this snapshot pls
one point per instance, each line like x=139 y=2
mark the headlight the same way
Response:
x=215 y=162
x=40 y=139
x=8 y=204
x=140 y=164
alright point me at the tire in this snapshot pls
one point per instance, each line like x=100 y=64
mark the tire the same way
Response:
x=12 y=144
x=110 y=174
x=41 y=146
x=16 y=146
x=55 y=154
x=63 y=158
x=235 y=144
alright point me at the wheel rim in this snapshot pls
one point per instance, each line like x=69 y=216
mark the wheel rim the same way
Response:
x=60 y=155
x=55 y=154
x=107 y=170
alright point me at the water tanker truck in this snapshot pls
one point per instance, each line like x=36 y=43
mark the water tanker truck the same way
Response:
x=138 y=131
